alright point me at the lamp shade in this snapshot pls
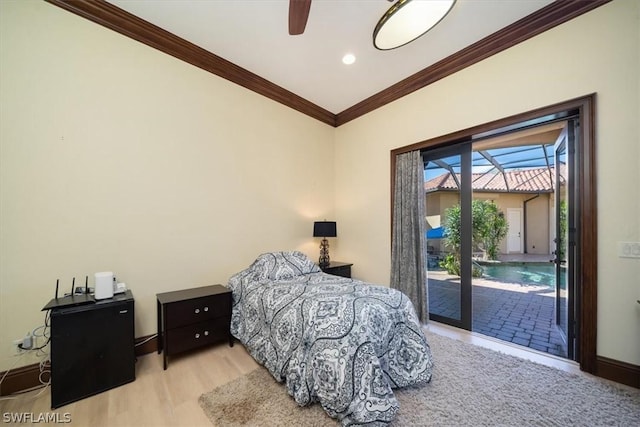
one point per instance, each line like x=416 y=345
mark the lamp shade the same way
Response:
x=324 y=229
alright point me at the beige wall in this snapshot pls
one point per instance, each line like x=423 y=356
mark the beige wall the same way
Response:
x=596 y=52
x=115 y=156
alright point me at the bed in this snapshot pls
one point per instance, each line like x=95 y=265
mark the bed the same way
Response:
x=341 y=342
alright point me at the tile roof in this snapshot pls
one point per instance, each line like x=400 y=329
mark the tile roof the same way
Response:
x=537 y=180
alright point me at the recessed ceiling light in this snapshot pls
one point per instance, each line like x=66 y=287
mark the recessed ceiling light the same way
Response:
x=349 y=59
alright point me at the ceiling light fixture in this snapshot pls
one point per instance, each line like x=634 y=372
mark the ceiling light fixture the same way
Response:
x=407 y=20
x=349 y=59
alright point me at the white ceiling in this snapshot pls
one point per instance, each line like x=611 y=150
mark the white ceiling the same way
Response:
x=254 y=35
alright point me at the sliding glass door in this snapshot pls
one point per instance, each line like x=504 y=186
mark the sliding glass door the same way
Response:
x=565 y=236
x=521 y=165
x=497 y=206
x=448 y=208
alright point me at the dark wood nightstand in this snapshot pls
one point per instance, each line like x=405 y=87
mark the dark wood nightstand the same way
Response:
x=193 y=318
x=336 y=268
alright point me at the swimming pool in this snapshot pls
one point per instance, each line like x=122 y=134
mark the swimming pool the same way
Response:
x=531 y=273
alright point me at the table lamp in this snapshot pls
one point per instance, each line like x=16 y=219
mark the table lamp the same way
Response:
x=324 y=229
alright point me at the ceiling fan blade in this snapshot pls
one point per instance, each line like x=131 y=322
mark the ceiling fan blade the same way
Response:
x=298 y=15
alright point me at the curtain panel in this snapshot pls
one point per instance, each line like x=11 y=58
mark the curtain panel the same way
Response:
x=408 y=240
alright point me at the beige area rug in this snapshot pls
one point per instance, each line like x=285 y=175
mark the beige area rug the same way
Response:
x=471 y=386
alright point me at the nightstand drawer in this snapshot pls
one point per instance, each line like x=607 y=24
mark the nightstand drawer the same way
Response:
x=198 y=310
x=192 y=318
x=197 y=335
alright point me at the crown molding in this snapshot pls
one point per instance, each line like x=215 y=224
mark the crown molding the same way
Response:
x=543 y=19
x=116 y=19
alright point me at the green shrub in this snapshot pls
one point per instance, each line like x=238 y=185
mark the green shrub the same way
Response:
x=489 y=228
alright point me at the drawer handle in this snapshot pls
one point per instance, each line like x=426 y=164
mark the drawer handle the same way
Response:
x=197 y=336
x=206 y=333
x=206 y=309
x=197 y=310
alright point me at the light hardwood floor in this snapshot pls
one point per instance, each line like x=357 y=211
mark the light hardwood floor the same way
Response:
x=170 y=398
x=157 y=397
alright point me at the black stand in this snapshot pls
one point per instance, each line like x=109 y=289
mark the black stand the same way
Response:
x=92 y=348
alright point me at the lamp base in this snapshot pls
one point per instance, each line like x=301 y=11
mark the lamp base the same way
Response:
x=324 y=253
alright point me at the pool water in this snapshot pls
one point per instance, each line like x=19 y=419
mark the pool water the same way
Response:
x=524 y=273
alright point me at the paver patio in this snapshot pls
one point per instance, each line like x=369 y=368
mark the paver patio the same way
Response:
x=521 y=314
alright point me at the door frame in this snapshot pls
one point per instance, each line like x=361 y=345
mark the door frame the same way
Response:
x=586 y=272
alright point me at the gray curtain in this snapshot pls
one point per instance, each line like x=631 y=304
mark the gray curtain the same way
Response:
x=408 y=245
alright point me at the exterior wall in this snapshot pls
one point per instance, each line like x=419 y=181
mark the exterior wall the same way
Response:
x=536 y=226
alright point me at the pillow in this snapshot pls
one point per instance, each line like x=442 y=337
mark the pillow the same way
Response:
x=282 y=265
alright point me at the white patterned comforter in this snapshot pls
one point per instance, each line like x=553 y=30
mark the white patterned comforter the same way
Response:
x=338 y=341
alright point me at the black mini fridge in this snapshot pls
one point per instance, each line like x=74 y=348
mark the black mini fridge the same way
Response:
x=92 y=348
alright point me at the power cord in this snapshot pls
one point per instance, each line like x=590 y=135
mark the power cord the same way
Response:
x=42 y=331
x=146 y=340
x=33 y=348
